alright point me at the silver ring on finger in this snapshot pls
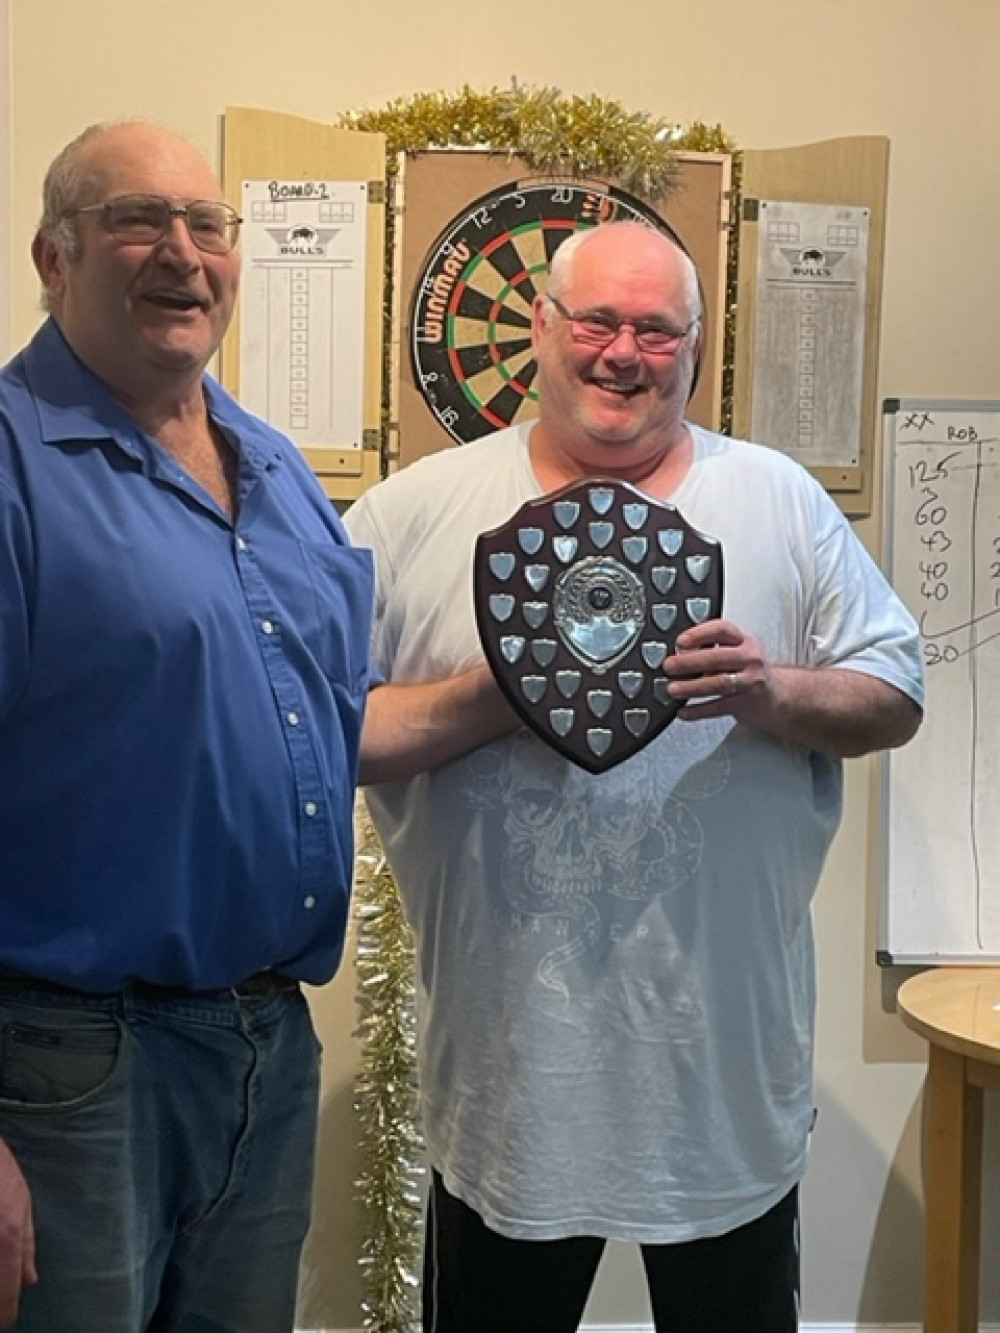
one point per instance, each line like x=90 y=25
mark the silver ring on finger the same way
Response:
x=734 y=682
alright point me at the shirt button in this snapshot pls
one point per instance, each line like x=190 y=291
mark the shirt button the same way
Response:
x=309 y=903
x=267 y=626
x=293 y=719
x=240 y=544
x=310 y=808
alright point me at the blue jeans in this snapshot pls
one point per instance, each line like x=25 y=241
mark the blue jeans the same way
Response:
x=168 y=1144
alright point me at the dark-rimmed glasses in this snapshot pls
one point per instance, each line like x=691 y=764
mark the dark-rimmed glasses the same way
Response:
x=598 y=328
x=142 y=219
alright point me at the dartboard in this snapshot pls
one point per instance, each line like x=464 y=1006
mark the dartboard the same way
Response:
x=470 y=320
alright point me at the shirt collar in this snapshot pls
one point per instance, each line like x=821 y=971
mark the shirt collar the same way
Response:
x=71 y=402
x=74 y=404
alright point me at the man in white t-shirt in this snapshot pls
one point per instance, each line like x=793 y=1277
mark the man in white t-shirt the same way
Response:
x=616 y=976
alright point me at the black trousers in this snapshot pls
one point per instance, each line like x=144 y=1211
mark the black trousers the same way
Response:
x=476 y=1281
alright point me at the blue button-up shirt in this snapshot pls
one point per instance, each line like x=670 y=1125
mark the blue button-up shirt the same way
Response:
x=181 y=697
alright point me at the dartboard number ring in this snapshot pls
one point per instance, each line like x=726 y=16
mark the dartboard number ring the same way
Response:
x=470 y=318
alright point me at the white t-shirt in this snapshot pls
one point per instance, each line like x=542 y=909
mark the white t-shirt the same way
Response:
x=616 y=974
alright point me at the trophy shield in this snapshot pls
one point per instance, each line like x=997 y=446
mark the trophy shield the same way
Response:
x=579 y=599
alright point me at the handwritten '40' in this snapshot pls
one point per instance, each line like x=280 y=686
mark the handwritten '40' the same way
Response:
x=932 y=518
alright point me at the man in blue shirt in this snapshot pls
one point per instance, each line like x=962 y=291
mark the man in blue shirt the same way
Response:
x=184 y=635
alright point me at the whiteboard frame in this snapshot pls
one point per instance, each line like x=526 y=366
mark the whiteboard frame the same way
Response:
x=891 y=408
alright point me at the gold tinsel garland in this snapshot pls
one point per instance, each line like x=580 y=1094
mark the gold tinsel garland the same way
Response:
x=385 y=1093
x=579 y=136
x=555 y=135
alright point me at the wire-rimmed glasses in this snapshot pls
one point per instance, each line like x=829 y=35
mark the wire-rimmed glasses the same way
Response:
x=142 y=219
x=600 y=328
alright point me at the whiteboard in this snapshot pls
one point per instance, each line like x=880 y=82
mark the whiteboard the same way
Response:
x=941 y=887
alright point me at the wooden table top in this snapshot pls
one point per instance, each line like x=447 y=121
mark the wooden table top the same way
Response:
x=955 y=1007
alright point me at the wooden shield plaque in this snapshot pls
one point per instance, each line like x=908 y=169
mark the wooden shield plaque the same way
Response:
x=579 y=600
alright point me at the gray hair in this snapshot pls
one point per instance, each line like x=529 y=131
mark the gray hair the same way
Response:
x=61 y=193
x=561 y=266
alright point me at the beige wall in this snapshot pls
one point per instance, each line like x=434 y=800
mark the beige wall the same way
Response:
x=774 y=72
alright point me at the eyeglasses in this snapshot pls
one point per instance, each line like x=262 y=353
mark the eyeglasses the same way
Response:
x=142 y=219
x=599 y=329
